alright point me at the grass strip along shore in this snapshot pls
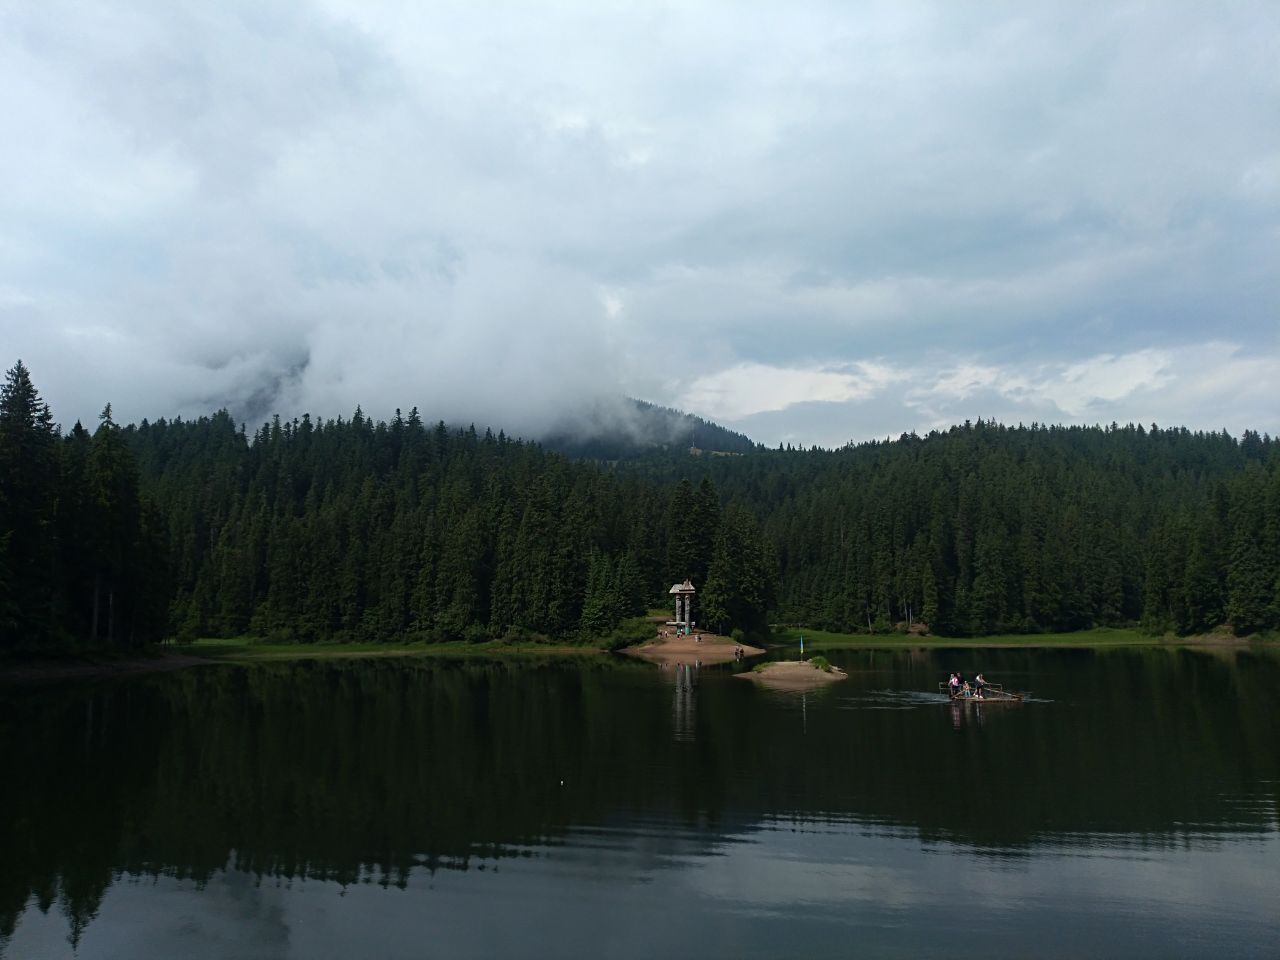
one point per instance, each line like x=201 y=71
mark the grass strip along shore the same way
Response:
x=1096 y=638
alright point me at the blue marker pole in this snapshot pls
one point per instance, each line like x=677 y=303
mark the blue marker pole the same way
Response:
x=802 y=646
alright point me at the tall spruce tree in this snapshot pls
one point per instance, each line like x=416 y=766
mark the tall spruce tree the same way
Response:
x=739 y=586
x=28 y=499
x=113 y=480
x=1251 y=574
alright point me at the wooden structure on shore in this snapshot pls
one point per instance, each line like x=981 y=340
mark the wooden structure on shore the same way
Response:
x=683 y=592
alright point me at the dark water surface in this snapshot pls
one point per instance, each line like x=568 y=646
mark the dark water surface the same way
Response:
x=419 y=808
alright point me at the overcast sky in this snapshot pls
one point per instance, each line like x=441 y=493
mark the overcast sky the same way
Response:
x=812 y=222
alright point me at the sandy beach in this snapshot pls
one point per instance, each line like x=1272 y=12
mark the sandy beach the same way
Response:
x=794 y=675
x=671 y=649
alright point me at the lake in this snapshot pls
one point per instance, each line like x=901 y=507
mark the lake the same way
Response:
x=605 y=808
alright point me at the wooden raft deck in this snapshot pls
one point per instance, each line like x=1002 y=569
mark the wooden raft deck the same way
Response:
x=992 y=693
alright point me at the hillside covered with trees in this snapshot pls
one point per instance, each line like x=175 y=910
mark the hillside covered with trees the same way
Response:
x=985 y=529
x=353 y=529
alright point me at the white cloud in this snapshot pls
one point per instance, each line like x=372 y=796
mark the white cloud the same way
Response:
x=1106 y=379
x=1206 y=386
x=958 y=383
x=750 y=388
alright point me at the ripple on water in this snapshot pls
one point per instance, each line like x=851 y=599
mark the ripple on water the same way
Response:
x=891 y=700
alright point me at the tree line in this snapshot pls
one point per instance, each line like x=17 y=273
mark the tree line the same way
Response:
x=351 y=529
x=81 y=550
x=985 y=529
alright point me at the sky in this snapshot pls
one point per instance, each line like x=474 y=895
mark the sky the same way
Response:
x=812 y=222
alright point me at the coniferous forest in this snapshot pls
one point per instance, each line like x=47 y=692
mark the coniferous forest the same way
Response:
x=351 y=529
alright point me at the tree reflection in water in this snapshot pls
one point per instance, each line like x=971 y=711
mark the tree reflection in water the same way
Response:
x=346 y=770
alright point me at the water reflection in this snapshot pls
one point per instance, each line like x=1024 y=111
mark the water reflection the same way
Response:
x=611 y=777
x=684 y=713
x=819 y=890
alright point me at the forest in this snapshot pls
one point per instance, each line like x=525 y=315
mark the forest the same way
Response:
x=349 y=529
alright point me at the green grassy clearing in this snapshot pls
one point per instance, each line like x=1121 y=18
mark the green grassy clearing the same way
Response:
x=250 y=648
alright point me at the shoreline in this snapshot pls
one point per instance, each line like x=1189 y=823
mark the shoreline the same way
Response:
x=1098 y=638
x=713 y=649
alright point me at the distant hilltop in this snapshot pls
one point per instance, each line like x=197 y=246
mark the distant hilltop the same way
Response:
x=629 y=429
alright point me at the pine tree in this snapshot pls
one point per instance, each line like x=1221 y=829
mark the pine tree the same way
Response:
x=1250 y=578
x=703 y=521
x=113 y=479
x=28 y=491
x=738 y=591
x=683 y=547
x=629 y=586
x=988 y=604
x=76 y=533
x=600 y=608
x=1202 y=602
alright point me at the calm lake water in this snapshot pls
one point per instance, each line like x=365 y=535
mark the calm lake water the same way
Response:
x=420 y=808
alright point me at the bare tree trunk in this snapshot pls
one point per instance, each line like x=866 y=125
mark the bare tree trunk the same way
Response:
x=97 y=593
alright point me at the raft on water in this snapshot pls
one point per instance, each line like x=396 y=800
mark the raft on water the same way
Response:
x=991 y=693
